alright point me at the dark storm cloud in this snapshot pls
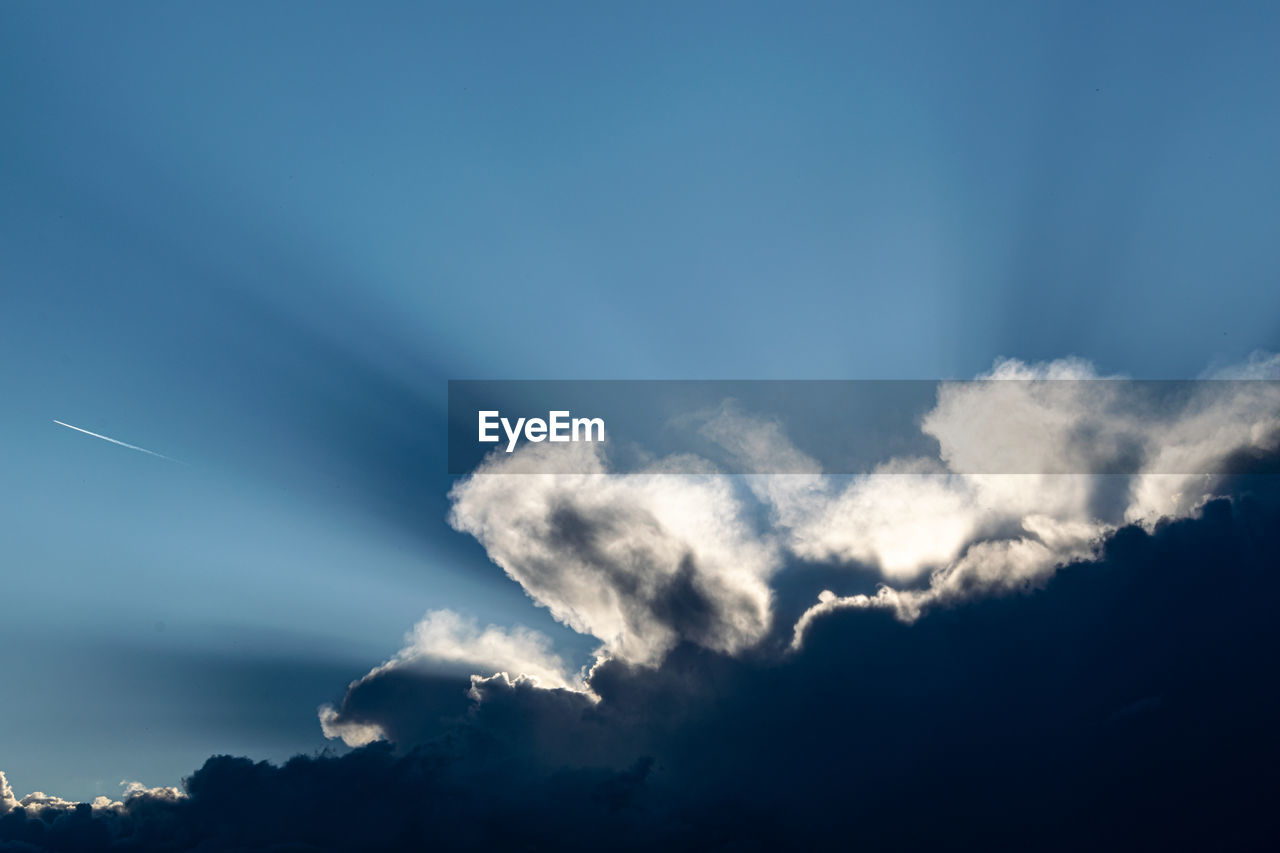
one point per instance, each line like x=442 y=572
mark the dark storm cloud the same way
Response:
x=406 y=705
x=1128 y=704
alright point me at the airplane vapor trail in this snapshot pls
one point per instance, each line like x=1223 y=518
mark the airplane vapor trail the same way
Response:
x=117 y=441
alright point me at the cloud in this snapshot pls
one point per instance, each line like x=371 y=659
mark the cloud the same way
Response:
x=447 y=639
x=353 y=733
x=1037 y=465
x=1133 y=687
x=640 y=561
x=161 y=792
x=38 y=801
x=1128 y=687
x=8 y=802
x=988 y=567
x=1259 y=365
x=610 y=554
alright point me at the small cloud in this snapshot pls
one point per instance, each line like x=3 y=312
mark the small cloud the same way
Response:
x=446 y=638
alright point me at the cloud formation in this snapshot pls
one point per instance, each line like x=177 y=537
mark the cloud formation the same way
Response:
x=1133 y=688
x=1037 y=465
x=675 y=556
x=8 y=802
x=1145 y=640
x=642 y=562
x=442 y=641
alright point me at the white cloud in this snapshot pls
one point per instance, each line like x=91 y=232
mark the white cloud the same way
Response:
x=987 y=567
x=1019 y=488
x=1219 y=419
x=8 y=802
x=913 y=518
x=37 y=801
x=350 y=732
x=444 y=637
x=903 y=518
x=1259 y=365
x=639 y=561
x=137 y=789
x=1037 y=464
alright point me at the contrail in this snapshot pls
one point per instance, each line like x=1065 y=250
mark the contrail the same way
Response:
x=116 y=441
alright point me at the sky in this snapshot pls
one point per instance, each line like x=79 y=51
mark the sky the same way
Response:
x=259 y=239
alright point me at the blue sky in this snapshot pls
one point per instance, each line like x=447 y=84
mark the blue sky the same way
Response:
x=260 y=238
